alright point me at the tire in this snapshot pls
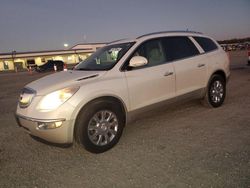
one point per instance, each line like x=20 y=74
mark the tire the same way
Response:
x=99 y=126
x=215 y=92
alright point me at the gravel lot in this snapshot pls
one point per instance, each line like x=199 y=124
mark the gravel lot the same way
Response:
x=185 y=145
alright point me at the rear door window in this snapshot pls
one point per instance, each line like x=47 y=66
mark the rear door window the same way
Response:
x=179 y=47
x=207 y=44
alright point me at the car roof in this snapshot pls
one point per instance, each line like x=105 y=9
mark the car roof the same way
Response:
x=159 y=34
x=169 y=32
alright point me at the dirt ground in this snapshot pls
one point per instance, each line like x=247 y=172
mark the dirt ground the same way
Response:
x=185 y=145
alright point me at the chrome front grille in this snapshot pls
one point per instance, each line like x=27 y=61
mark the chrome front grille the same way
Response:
x=26 y=96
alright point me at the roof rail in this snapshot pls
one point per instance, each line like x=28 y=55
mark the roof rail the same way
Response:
x=161 y=32
x=116 y=41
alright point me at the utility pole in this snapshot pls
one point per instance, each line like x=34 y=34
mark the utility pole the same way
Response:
x=13 y=59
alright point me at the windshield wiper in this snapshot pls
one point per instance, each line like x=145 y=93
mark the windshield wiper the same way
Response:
x=86 y=69
x=89 y=69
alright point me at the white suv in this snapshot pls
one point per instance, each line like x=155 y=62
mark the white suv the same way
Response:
x=92 y=103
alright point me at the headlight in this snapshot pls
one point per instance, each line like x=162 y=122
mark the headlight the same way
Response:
x=55 y=99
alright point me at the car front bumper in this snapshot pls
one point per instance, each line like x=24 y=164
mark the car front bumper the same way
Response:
x=61 y=135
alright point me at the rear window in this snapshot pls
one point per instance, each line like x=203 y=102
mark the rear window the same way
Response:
x=206 y=44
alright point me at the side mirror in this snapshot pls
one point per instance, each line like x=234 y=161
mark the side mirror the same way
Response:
x=138 y=61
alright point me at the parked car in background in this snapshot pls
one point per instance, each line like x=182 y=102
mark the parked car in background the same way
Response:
x=49 y=66
x=92 y=103
x=31 y=65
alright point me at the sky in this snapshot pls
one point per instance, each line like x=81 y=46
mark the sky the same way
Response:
x=33 y=25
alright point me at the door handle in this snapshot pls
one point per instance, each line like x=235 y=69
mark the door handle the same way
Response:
x=168 y=73
x=201 y=65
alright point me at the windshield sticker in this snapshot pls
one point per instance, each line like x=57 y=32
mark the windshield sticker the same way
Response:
x=114 y=53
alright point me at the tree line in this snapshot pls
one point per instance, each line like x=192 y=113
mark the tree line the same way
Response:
x=230 y=41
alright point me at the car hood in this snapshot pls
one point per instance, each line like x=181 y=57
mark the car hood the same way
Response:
x=63 y=79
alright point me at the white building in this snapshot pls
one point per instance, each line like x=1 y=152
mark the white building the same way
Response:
x=20 y=60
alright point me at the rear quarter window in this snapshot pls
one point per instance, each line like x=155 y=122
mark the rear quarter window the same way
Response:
x=207 y=44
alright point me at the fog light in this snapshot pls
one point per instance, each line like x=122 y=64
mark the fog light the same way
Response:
x=48 y=125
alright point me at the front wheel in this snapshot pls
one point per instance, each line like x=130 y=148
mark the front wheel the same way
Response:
x=99 y=126
x=216 y=91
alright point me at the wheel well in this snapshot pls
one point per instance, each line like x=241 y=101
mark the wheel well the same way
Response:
x=112 y=99
x=221 y=73
x=218 y=72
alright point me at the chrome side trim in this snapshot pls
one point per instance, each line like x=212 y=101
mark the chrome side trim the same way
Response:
x=197 y=94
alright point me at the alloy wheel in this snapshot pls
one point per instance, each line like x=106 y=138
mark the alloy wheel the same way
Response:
x=102 y=127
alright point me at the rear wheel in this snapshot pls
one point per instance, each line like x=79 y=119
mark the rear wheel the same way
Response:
x=99 y=126
x=216 y=91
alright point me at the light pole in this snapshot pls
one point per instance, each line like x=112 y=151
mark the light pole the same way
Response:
x=13 y=59
x=65 y=63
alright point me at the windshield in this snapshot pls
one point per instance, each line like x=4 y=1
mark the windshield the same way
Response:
x=104 y=58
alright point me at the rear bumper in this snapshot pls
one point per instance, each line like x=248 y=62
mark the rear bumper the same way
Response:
x=60 y=135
